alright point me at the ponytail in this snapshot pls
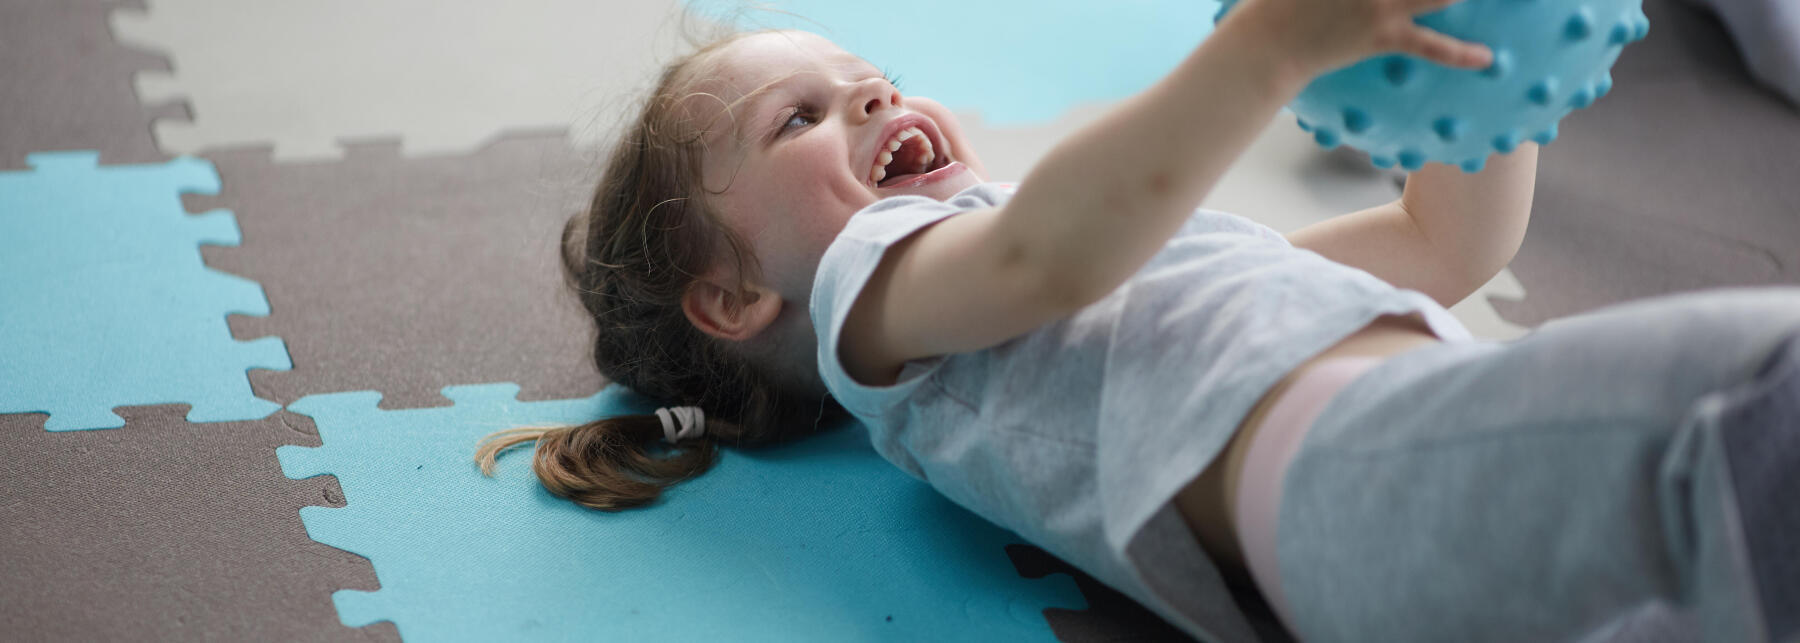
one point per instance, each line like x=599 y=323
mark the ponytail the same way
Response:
x=607 y=464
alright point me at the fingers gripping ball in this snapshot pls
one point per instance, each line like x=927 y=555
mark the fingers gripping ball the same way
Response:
x=1551 y=57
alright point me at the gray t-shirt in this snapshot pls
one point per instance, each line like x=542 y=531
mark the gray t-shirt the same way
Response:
x=1078 y=434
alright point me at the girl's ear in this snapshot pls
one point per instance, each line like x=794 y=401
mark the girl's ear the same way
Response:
x=727 y=313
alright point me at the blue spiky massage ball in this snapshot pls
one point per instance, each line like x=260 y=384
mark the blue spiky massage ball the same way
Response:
x=1551 y=57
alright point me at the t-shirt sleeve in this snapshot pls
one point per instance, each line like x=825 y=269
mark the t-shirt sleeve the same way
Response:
x=846 y=267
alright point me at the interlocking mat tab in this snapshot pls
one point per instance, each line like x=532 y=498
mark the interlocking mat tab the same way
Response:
x=105 y=301
x=815 y=540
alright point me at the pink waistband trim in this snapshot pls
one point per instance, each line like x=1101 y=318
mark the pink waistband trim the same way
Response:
x=1275 y=443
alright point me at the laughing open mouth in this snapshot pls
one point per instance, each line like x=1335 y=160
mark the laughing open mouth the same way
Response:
x=907 y=155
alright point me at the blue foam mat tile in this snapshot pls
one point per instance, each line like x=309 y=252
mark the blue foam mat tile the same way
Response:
x=1123 y=47
x=817 y=539
x=106 y=301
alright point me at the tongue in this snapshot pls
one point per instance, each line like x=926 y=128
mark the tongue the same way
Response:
x=898 y=178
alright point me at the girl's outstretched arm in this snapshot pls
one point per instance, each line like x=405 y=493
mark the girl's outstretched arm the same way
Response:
x=1109 y=197
x=1445 y=237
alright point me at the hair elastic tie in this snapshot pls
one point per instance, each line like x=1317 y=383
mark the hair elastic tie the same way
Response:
x=692 y=419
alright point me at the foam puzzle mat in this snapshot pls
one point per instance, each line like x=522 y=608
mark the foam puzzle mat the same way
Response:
x=258 y=259
x=818 y=540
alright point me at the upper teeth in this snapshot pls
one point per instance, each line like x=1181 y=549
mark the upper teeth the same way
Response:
x=893 y=145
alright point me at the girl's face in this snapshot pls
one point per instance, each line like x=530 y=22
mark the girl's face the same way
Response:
x=796 y=158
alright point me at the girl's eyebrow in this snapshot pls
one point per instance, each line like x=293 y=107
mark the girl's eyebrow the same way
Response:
x=771 y=126
x=761 y=103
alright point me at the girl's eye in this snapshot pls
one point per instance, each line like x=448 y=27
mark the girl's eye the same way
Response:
x=797 y=115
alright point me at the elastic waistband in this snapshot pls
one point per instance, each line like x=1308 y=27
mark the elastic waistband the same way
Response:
x=1276 y=441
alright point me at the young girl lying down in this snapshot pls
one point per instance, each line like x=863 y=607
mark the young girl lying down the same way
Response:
x=1148 y=390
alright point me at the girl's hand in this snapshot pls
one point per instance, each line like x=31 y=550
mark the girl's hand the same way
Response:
x=1324 y=35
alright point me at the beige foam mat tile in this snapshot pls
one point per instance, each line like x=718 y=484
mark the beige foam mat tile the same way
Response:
x=442 y=76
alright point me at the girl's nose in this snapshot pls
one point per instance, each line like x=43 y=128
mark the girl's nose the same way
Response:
x=878 y=91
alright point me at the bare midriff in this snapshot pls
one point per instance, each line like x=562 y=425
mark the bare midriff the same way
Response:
x=1208 y=502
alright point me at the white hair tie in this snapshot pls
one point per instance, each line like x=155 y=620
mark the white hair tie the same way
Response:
x=692 y=419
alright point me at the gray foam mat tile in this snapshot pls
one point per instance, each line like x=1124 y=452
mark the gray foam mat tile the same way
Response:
x=407 y=275
x=68 y=85
x=1685 y=40
x=167 y=531
x=1682 y=178
x=1585 y=250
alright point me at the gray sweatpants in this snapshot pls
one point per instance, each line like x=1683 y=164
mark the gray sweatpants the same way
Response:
x=1540 y=488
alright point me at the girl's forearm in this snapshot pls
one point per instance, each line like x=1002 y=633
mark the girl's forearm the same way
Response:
x=1108 y=197
x=1477 y=221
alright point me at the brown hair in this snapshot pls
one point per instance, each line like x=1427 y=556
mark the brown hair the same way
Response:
x=646 y=236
